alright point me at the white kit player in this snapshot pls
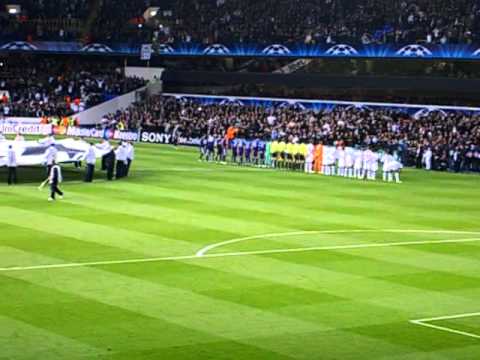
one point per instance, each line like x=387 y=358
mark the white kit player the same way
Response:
x=373 y=166
x=341 y=161
x=358 y=164
x=329 y=161
x=391 y=168
x=427 y=159
x=369 y=160
x=309 y=158
x=349 y=163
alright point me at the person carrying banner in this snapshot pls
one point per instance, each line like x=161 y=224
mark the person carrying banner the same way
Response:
x=121 y=156
x=105 y=145
x=50 y=156
x=90 y=159
x=130 y=156
x=12 y=166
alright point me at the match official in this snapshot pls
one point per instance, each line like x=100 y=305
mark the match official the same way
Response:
x=12 y=166
x=54 y=179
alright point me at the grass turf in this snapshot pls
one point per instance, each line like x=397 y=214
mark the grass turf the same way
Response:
x=324 y=304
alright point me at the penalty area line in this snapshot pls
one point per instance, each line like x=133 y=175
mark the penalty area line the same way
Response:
x=427 y=323
x=234 y=254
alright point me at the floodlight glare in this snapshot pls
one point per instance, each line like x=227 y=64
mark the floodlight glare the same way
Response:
x=13 y=9
x=150 y=13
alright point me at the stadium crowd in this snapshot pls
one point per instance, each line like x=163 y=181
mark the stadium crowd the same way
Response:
x=308 y=21
x=269 y=21
x=37 y=87
x=435 y=140
x=60 y=20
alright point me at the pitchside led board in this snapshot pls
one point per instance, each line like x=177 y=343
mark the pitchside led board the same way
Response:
x=298 y=50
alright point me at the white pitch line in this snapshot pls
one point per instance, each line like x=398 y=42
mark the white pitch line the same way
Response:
x=339 y=247
x=426 y=323
x=449 y=317
x=232 y=254
x=210 y=247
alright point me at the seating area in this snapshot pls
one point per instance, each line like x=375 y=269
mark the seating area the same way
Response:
x=48 y=87
x=248 y=21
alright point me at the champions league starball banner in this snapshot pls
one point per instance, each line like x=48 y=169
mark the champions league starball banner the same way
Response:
x=416 y=111
x=29 y=153
x=294 y=50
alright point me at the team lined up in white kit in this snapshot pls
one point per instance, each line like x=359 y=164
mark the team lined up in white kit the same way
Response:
x=354 y=163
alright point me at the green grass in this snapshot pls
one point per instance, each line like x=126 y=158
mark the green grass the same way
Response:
x=335 y=303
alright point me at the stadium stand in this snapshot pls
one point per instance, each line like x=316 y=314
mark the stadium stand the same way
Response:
x=46 y=20
x=49 y=87
x=284 y=21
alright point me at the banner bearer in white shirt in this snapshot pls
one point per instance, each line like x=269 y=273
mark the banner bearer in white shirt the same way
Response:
x=50 y=157
x=130 y=156
x=121 y=156
x=90 y=159
x=12 y=166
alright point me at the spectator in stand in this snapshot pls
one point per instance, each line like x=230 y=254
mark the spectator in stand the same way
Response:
x=45 y=87
x=251 y=21
x=287 y=21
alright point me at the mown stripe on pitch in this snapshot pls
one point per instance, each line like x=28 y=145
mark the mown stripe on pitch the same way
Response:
x=353 y=287
x=429 y=261
x=106 y=235
x=435 y=280
x=217 y=283
x=356 y=199
x=217 y=222
x=216 y=212
x=234 y=223
x=96 y=324
x=218 y=318
x=19 y=339
x=128 y=216
x=349 y=263
x=404 y=334
x=45 y=243
x=300 y=206
x=259 y=219
x=337 y=344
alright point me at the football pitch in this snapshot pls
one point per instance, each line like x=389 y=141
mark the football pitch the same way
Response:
x=188 y=260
